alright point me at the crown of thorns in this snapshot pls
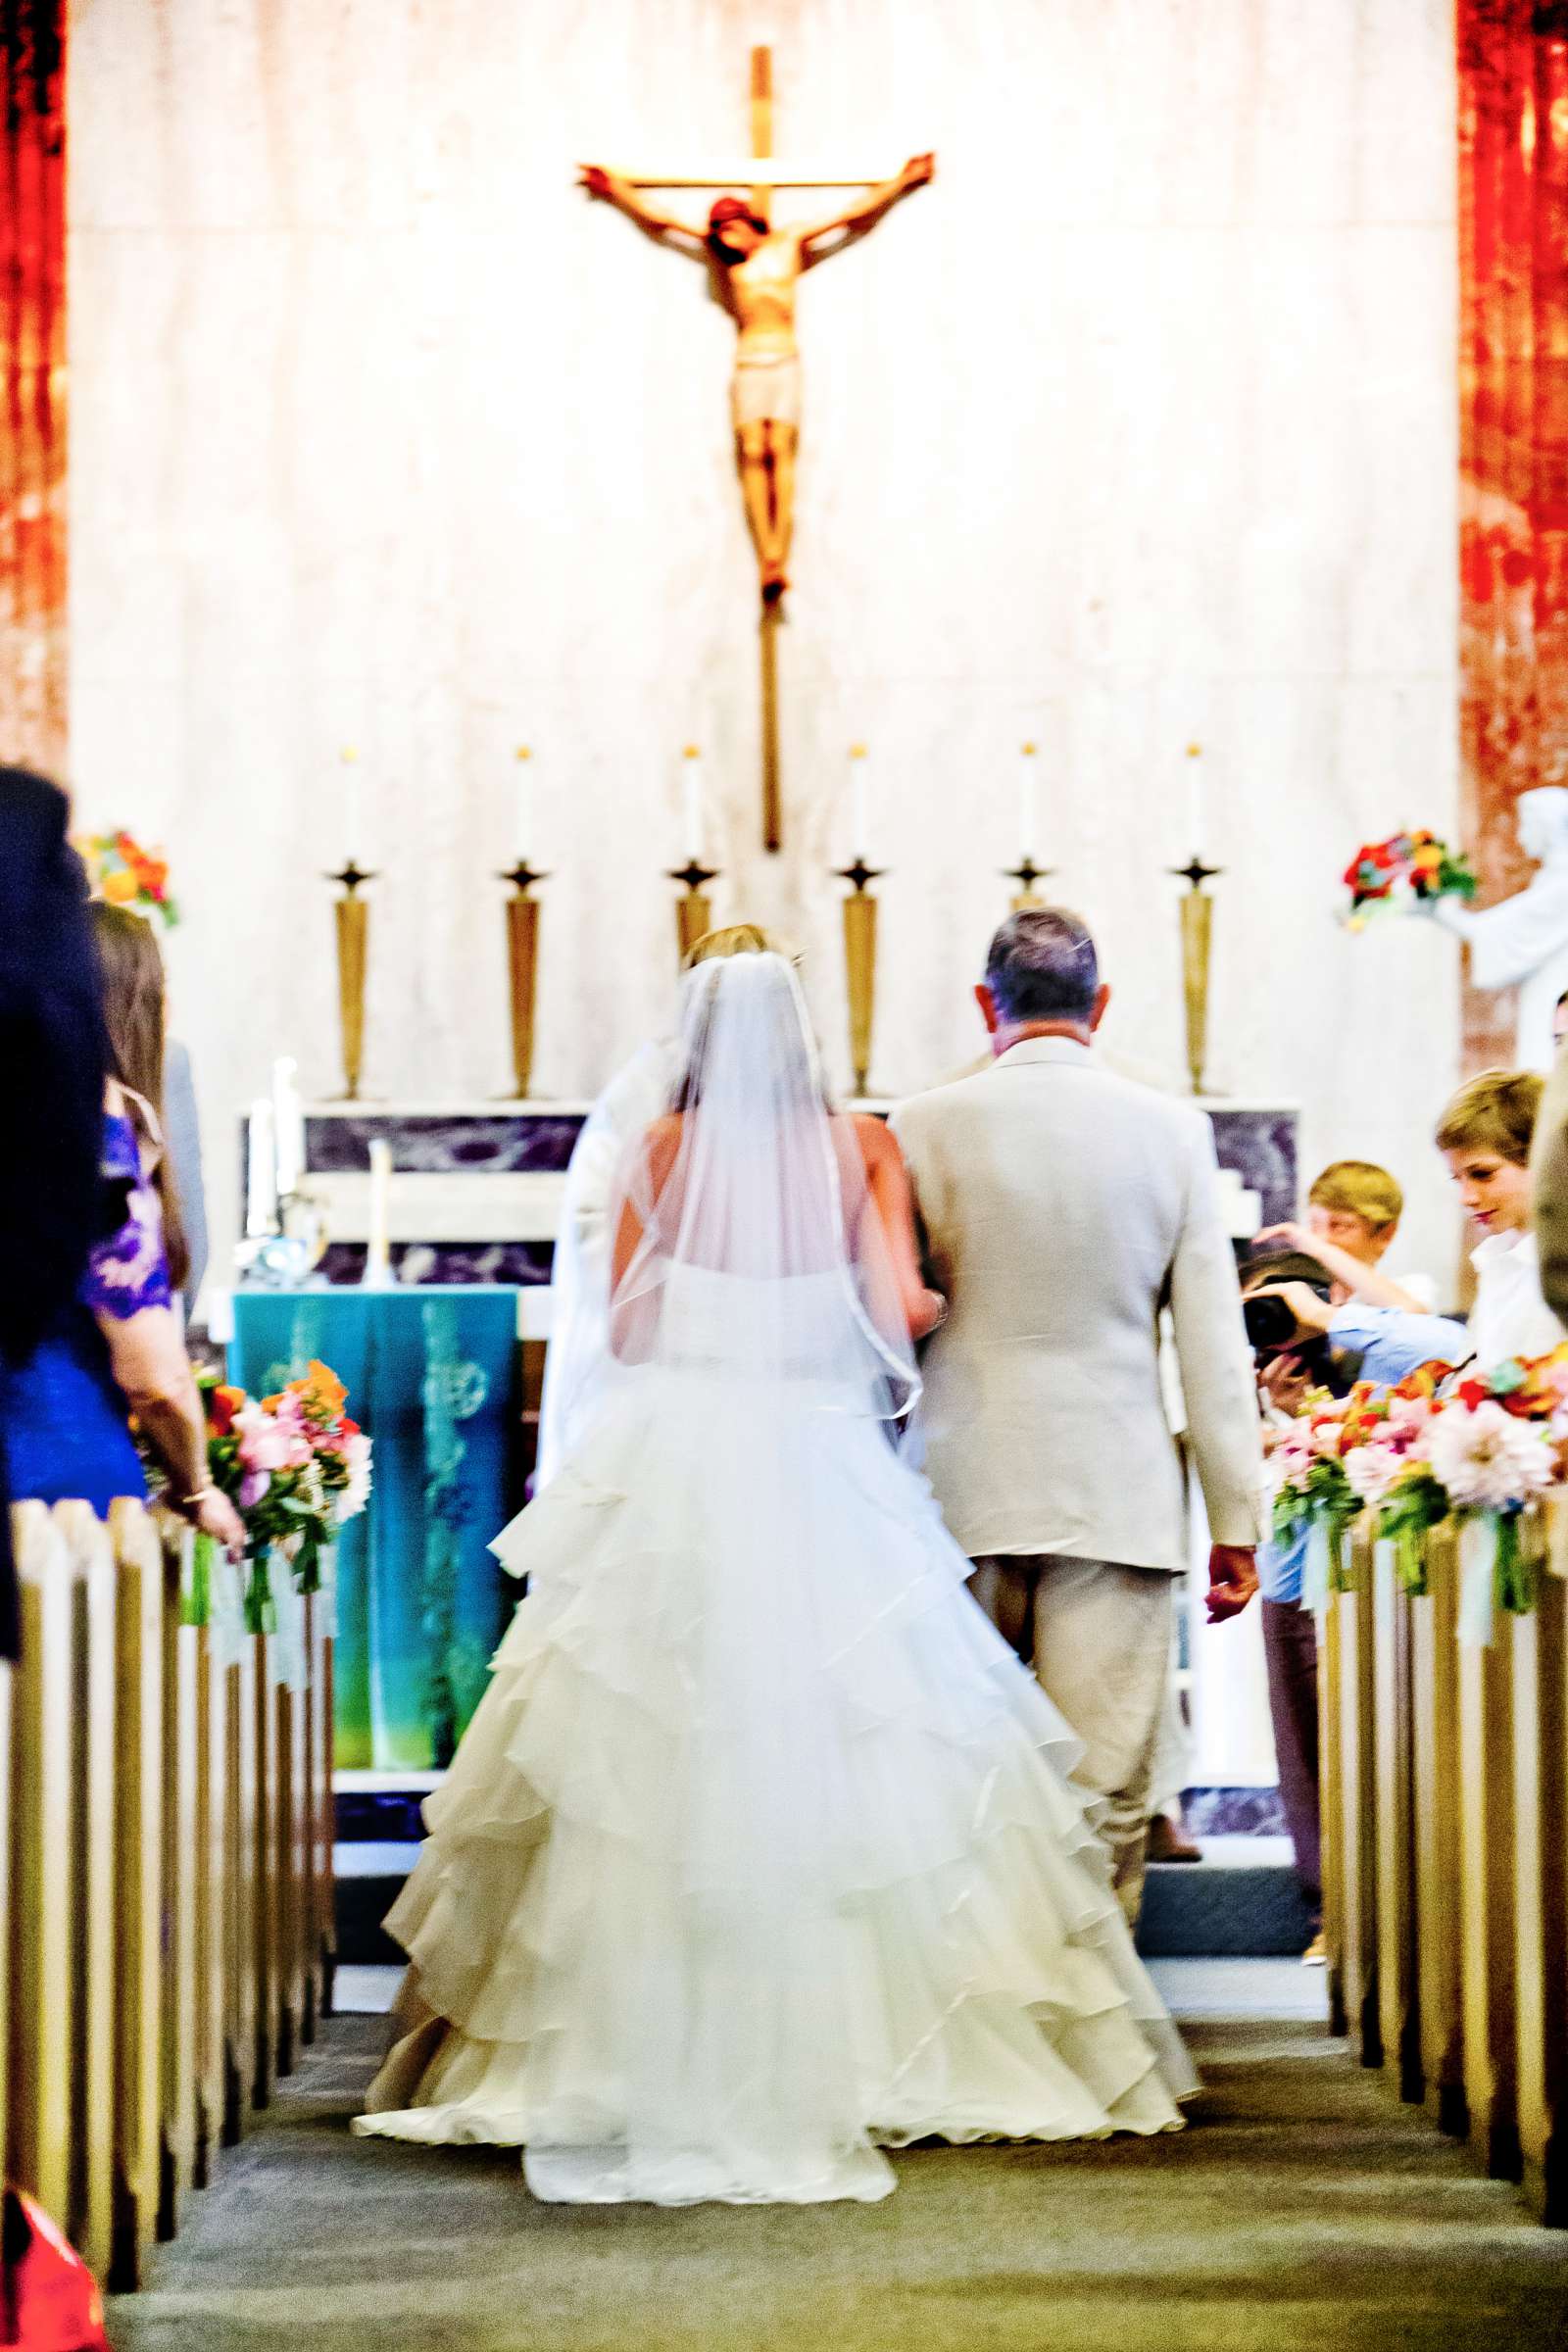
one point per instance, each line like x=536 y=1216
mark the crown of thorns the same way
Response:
x=733 y=207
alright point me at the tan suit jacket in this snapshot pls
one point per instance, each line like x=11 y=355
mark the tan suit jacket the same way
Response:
x=1063 y=1207
x=1549 y=1166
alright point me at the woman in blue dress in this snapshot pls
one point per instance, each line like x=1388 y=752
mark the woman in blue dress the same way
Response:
x=117 y=1348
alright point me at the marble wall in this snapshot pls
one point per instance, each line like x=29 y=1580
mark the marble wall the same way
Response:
x=1138 y=428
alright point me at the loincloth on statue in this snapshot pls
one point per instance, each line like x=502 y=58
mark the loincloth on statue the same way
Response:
x=765 y=391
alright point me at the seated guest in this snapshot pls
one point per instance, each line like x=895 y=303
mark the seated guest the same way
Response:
x=1486 y=1136
x=1353 y=1218
x=1333 y=1339
x=117 y=1348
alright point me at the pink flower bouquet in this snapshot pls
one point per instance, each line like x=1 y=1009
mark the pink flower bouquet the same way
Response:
x=295 y=1467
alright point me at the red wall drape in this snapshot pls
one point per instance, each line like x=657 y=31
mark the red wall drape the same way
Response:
x=32 y=383
x=1513 y=438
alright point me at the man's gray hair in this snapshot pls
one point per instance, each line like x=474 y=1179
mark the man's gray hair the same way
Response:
x=1042 y=966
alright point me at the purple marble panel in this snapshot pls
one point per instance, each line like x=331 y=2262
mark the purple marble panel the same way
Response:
x=446 y=1144
x=523 y=1264
x=1261 y=1146
x=1234 y=1813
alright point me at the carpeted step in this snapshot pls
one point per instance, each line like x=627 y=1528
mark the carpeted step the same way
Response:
x=1242 y=1901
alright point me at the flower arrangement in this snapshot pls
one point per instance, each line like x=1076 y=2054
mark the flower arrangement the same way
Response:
x=1477 y=1449
x=295 y=1467
x=122 y=871
x=1408 y=868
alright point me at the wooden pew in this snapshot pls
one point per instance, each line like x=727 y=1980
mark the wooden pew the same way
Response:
x=1483 y=1800
x=1435 y=1778
x=138 y=1886
x=1351 y=1815
x=41 y=2018
x=1393 y=1746
x=164 y=1878
x=1540 y=1645
x=95 y=1957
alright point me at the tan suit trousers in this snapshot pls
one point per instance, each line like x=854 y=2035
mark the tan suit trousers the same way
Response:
x=1098 y=1637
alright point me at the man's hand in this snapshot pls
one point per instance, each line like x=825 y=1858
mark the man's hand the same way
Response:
x=1311 y=1312
x=1288 y=1237
x=1285 y=1382
x=919 y=171
x=1232 y=1580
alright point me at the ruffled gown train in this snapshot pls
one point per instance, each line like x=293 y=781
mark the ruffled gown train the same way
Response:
x=760 y=1853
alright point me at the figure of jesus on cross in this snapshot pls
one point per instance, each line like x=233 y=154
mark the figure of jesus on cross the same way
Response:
x=756 y=269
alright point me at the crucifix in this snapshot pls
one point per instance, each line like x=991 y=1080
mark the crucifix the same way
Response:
x=756 y=269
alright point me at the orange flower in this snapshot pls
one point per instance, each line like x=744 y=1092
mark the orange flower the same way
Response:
x=222 y=1404
x=120 y=886
x=323 y=1391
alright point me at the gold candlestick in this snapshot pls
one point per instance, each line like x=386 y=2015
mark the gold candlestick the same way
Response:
x=1026 y=874
x=1197 y=939
x=693 y=911
x=352 y=916
x=523 y=967
x=860 y=966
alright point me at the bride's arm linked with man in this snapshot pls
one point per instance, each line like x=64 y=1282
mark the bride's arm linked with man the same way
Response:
x=1064 y=1207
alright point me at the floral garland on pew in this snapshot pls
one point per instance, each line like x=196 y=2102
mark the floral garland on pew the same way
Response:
x=296 y=1468
x=1477 y=1449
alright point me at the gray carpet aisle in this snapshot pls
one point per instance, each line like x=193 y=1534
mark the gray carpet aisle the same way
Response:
x=1302 y=2208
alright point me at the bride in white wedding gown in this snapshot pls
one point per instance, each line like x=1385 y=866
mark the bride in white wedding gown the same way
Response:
x=760 y=1853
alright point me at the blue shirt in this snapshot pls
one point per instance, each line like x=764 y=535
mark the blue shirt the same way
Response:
x=1390 y=1343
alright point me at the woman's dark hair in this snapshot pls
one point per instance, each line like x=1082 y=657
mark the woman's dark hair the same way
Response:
x=53 y=1053
x=133 y=1016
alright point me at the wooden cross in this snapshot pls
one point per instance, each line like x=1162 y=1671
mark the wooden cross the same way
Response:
x=763 y=184
x=741 y=173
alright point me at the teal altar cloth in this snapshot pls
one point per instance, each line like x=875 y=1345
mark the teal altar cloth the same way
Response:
x=432 y=1378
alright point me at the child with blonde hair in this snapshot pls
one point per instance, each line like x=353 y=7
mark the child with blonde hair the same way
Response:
x=1484 y=1135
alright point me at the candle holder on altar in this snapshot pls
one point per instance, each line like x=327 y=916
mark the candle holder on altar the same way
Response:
x=1026 y=874
x=859 y=965
x=1198 y=940
x=523 y=967
x=351 y=914
x=693 y=910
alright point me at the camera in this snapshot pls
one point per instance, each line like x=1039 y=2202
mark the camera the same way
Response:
x=1272 y=1329
x=1270 y=1324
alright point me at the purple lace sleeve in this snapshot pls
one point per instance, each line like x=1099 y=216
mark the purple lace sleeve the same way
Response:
x=128 y=1270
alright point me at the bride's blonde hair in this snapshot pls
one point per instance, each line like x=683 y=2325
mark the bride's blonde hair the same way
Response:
x=735 y=939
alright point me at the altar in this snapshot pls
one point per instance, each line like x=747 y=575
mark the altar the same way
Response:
x=477 y=1188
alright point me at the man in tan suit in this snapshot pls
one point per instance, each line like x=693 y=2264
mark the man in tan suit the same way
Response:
x=1064 y=1207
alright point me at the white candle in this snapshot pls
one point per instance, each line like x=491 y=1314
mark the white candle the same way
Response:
x=692 y=802
x=354 y=813
x=261 y=1189
x=378 y=1246
x=1028 y=816
x=860 y=806
x=1195 y=796
x=525 y=813
x=289 y=1125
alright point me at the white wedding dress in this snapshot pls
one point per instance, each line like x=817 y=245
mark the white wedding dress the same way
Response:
x=760 y=1853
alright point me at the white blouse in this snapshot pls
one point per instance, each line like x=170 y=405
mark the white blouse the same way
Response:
x=1511 y=1317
